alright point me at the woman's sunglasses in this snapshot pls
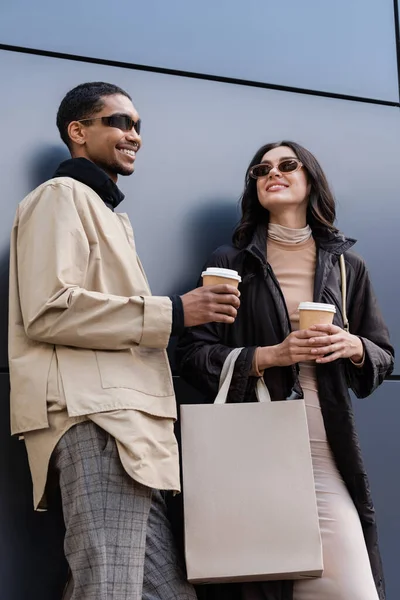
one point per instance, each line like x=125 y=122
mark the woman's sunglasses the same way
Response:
x=119 y=121
x=287 y=165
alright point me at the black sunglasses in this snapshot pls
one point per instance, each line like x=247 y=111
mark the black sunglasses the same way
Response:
x=119 y=121
x=287 y=165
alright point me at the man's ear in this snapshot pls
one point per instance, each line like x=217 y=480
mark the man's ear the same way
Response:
x=77 y=133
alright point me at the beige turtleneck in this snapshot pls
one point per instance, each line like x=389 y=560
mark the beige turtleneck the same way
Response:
x=292 y=255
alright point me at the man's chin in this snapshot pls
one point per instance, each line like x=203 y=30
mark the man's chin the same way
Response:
x=124 y=169
x=125 y=172
x=115 y=169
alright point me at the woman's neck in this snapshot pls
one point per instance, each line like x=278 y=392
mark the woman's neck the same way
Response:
x=291 y=218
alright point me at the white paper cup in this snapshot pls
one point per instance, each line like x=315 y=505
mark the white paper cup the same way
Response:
x=216 y=276
x=315 y=313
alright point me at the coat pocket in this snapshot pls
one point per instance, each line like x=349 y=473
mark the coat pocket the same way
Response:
x=145 y=370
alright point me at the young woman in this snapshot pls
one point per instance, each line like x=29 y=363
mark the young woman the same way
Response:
x=287 y=248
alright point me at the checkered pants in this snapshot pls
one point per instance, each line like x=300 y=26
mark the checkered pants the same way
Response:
x=118 y=540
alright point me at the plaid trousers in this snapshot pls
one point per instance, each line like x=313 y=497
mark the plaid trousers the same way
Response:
x=118 y=540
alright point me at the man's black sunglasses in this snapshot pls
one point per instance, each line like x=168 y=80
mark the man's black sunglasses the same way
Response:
x=120 y=121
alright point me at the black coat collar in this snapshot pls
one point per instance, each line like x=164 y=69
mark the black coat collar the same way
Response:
x=87 y=172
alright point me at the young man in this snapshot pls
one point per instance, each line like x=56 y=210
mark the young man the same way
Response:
x=91 y=388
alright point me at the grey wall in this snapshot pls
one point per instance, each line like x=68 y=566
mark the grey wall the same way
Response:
x=342 y=46
x=198 y=139
x=32 y=566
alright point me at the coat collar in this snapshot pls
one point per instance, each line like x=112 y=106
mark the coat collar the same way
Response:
x=329 y=242
x=329 y=247
x=87 y=172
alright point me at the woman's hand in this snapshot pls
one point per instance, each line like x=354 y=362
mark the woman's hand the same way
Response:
x=331 y=342
x=295 y=348
x=320 y=343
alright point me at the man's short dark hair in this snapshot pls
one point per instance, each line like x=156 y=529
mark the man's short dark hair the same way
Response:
x=82 y=102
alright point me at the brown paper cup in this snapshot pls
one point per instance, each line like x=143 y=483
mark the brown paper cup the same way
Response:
x=315 y=317
x=315 y=313
x=218 y=276
x=218 y=280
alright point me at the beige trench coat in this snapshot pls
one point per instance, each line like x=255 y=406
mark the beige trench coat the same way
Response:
x=77 y=289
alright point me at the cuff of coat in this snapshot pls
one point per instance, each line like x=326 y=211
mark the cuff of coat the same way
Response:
x=243 y=384
x=157 y=321
x=178 y=316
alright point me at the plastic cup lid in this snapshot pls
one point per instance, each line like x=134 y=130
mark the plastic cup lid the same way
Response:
x=317 y=306
x=219 y=272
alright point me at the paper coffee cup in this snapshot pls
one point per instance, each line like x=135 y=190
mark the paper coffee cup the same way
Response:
x=315 y=313
x=216 y=276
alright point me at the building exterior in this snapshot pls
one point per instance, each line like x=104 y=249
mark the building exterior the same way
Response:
x=212 y=82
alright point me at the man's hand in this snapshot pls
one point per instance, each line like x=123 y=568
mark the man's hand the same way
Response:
x=214 y=303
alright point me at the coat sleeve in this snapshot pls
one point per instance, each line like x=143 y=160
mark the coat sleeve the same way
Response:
x=367 y=323
x=52 y=261
x=202 y=351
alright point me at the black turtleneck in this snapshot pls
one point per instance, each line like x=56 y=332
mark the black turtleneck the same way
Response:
x=87 y=172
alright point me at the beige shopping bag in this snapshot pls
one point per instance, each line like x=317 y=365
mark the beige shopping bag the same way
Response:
x=249 y=496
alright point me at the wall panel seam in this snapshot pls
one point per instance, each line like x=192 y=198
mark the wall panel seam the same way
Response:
x=397 y=34
x=193 y=75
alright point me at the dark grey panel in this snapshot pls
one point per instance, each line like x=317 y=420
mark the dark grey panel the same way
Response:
x=377 y=419
x=32 y=564
x=198 y=139
x=345 y=47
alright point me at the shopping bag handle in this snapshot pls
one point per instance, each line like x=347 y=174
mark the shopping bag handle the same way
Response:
x=225 y=380
x=262 y=392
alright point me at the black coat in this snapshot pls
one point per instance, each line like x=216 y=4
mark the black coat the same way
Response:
x=263 y=321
